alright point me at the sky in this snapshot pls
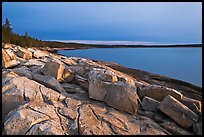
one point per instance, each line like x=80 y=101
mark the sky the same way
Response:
x=164 y=22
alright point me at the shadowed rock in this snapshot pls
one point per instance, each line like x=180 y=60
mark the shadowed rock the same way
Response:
x=83 y=82
x=175 y=129
x=72 y=88
x=150 y=104
x=197 y=127
x=192 y=104
x=23 y=71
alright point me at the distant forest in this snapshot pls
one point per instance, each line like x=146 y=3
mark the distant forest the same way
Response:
x=8 y=36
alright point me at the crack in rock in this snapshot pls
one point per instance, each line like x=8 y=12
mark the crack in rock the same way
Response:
x=35 y=123
x=60 y=120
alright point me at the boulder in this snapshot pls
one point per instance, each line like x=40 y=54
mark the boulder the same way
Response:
x=7 y=46
x=58 y=71
x=71 y=61
x=33 y=62
x=39 y=54
x=49 y=82
x=158 y=92
x=23 y=53
x=175 y=129
x=180 y=113
x=150 y=104
x=7 y=61
x=117 y=94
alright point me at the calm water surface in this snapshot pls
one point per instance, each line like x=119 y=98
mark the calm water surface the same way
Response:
x=180 y=63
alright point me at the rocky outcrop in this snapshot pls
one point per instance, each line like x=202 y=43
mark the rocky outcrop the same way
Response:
x=160 y=92
x=34 y=118
x=23 y=53
x=18 y=90
x=97 y=121
x=50 y=94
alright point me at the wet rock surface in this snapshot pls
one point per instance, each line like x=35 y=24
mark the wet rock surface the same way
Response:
x=49 y=94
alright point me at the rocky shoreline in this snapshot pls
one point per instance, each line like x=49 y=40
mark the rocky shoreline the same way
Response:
x=48 y=94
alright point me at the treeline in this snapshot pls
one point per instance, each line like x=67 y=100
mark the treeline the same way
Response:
x=8 y=36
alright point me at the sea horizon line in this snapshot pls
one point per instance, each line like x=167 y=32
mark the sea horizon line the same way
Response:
x=118 y=42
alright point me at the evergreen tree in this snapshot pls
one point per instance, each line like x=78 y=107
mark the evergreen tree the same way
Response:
x=26 y=34
x=6 y=32
x=8 y=25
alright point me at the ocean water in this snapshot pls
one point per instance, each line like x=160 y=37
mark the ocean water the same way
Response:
x=179 y=63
